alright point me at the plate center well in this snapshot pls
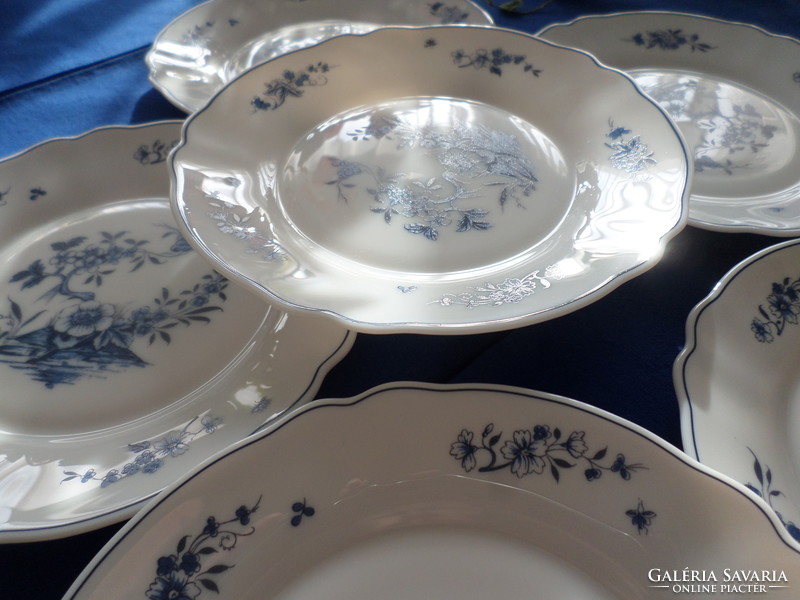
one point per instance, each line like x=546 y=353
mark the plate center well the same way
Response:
x=425 y=185
x=109 y=316
x=444 y=563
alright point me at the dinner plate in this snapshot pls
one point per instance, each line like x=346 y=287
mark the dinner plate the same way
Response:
x=462 y=491
x=732 y=88
x=737 y=378
x=443 y=179
x=124 y=358
x=204 y=48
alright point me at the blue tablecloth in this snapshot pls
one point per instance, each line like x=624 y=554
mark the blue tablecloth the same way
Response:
x=67 y=66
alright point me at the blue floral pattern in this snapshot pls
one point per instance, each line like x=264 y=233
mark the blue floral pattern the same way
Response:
x=290 y=85
x=463 y=152
x=184 y=575
x=199 y=34
x=767 y=492
x=630 y=153
x=448 y=15
x=783 y=307
x=75 y=334
x=150 y=455
x=494 y=60
x=301 y=510
x=670 y=39
x=153 y=153
x=536 y=450
x=541 y=449
x=641 y=517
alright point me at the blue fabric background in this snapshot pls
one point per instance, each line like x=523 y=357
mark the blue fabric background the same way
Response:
x=67 y=66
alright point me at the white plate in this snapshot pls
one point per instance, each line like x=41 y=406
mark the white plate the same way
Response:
x=737 y=378
x=124 y=359
x=204 y=48
x=441 y=179
x=733 y=89
x=447 y=492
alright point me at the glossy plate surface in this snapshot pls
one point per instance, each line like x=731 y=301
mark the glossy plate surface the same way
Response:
x=125 y=359
x=206 y=47
x=738 y=382
x=421 y=491
x=427 y=179
x=732 y=88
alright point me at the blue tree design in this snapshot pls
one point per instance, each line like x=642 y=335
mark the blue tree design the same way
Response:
x=83 y=336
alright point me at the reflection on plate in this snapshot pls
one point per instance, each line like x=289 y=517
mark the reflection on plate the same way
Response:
x=422 y=491
x=428 y=179
x=737 y=378
x=733 y=89
x=206 y=47
x=125 y=359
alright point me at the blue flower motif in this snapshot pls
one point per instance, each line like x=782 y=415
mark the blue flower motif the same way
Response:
x=84 y=319
x=783 y=303
x=111 y=477
x=541 y=432
x=575 y=444
x=173 y=586
x=762 y=331
x=178 y=578
x=783 y=306
x=152 y=466
x=464 y=450
x=211 y=528
x=210 y=424
x=592 y=473
x=200 y=300
x=620 y=467
x=243 y=514
x=181 y=245
x=641 y=518
x=172 y=444
x=166 y=564
x=190 y=563
x=212 y=287
x=525 y=453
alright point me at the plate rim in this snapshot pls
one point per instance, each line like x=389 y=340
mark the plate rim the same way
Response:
x=660 y=445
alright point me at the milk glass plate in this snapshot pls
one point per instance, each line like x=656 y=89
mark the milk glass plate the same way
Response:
x=204 y=48
x=447 y=492
x=436 y=179
x=737 y=378
x=733 y=89
x=125 y=359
